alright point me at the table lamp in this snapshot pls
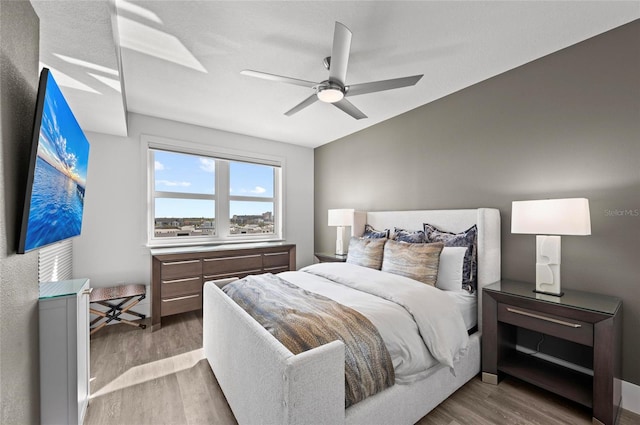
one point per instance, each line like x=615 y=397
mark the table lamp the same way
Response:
x=340 y=218
x=548 y=219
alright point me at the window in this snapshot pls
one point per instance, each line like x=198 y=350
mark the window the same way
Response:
x=184 y=195
x=251 y=198
x=200 y=197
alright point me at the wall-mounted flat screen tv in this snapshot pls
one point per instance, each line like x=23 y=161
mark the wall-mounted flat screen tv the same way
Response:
x=54 y=200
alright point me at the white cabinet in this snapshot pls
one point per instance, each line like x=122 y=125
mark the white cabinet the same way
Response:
x=64 y=351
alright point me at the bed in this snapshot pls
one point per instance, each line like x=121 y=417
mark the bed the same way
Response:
x=265 y=383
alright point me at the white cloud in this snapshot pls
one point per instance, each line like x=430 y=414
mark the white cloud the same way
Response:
x=208 y=165
x=159 y=166
x=173 y=183
x=258 y=190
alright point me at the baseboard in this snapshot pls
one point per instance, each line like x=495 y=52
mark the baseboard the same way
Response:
x=631 y=397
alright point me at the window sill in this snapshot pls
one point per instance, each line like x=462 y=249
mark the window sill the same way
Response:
x=200 y=247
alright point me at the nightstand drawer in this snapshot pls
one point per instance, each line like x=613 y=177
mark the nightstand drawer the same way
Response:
x=561 y=327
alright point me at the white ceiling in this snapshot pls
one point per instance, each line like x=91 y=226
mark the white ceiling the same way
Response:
x=181 y=60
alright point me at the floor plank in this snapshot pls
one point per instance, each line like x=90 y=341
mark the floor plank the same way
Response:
x=161 y=377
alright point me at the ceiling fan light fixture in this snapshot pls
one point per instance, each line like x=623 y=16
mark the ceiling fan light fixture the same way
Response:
x=330 y=95
x=333 y=89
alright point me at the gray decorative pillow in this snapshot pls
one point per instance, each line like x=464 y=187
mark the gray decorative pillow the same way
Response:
x=366 y=252
x=371 y=233
x=418 y=261
x=402 y=235
x=469 y=239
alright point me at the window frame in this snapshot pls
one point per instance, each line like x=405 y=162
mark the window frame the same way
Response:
x=221 y=196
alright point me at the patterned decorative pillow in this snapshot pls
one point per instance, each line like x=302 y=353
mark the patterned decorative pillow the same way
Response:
x=402 y=235
x=366 y=252
x=469 y=239
x=418 y=261
x=371 y=233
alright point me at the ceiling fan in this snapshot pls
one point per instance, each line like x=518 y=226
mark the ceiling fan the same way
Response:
x=334 y=90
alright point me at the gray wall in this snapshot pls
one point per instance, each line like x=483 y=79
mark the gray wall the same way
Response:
x=19 y=378
x=566 y=125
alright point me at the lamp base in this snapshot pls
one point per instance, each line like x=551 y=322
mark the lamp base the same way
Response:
x=548 y=265
x=548 y=293
x=340 y=241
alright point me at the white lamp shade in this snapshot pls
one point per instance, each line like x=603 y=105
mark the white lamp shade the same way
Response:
x=342 y=217
x=551 y=217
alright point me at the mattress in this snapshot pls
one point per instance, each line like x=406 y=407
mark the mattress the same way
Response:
x=468 y=305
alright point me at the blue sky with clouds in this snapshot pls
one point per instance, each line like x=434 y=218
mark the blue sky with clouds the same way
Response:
x=185 y=173
x=61 y=141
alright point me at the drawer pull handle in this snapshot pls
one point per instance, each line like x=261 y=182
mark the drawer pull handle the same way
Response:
x=177 y=263
x=220 y=283
x=548 y=319
x=270 y=254
x=284 y=268
x=225 y=275
x=186 y=297
x=221 y=279
x=181 y=280
x=206 y=260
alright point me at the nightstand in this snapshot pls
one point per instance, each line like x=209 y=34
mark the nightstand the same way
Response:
x=592 y=320
x=325 y=257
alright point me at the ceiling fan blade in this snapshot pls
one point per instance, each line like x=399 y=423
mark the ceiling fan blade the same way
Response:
x=278 y=78
x=375 y=86
x=300 y=106
x=348 y=107
x=340 y=53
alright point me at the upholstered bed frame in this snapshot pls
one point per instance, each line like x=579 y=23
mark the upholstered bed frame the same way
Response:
x=264 y=383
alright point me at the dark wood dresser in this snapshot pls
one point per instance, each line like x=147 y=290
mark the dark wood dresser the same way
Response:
x=178 y=274
x=590 y=320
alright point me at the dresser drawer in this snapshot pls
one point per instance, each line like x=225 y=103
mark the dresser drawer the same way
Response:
x=275 y=259
x=561 y=327
x=276 y=269
x=180 y=304
x=179 y=269
x=225 y=265
x=184 y=286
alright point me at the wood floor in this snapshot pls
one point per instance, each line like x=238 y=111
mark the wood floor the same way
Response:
x=140 y=377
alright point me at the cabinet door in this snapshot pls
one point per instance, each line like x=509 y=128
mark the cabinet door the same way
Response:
x=82 y=323
x=64 y=351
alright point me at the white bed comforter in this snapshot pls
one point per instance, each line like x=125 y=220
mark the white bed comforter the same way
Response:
x=420 y=325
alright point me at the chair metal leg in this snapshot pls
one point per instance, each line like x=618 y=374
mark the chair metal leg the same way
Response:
x=115 y=311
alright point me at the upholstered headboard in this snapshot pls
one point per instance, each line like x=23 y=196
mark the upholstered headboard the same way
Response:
x=487 y=220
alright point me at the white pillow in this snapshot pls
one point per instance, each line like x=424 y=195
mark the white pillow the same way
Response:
x=450 y=268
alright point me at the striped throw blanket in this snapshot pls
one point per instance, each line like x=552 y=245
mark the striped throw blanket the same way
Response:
x=302 y=320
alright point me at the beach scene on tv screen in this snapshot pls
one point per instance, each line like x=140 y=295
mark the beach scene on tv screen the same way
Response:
x=57 y=197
